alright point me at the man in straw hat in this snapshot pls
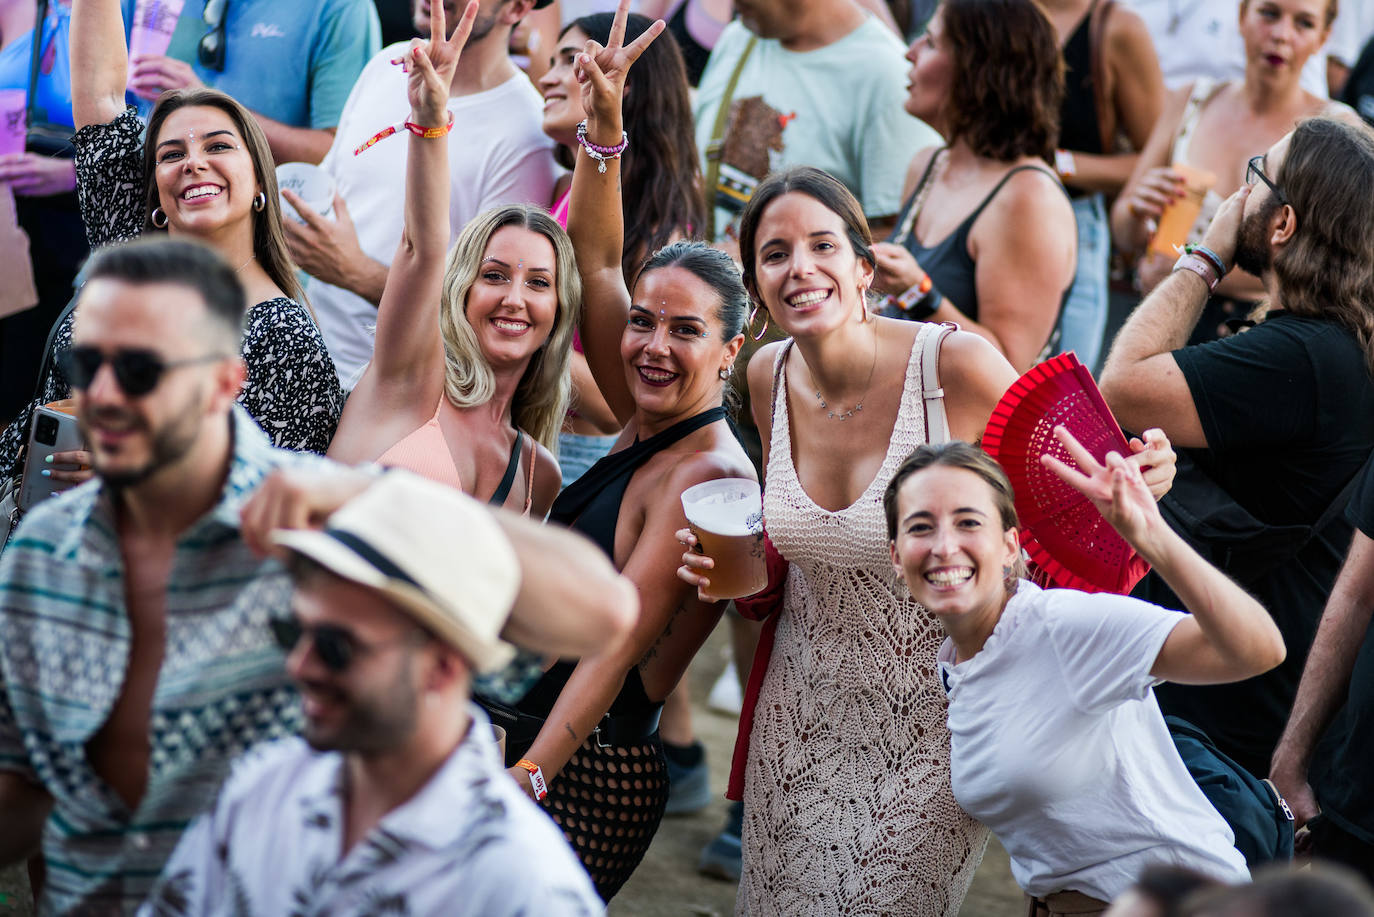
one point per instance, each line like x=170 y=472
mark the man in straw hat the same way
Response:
x=395 y=798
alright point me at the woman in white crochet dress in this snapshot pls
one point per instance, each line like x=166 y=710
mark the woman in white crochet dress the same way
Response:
x=847 y=800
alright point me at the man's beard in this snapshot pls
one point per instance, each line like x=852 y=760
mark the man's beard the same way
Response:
x=1254 y=254
x=167 y=445
x=377 y=722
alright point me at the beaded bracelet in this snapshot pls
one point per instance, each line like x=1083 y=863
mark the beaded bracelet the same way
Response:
x=419 y=130
x=601 y=153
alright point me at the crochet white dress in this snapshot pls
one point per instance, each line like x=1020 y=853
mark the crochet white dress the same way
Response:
x=847 y=800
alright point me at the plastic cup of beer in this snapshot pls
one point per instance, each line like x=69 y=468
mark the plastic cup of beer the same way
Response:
x=726 y=516
x=313 y=184
x=13 y=120
x=1178 y=218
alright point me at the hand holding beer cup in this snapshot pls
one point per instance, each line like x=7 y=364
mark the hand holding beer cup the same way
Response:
x=725 y=538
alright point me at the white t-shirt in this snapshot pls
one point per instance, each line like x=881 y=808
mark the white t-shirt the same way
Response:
x=469 y=843
x=1058 y=746
x=498 y=154
x=1197 y=38
x=838 y=108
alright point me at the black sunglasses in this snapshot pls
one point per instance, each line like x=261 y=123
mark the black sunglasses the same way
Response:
x=335 y=646
x=211 y=50
x=1255 y=169
x=138 y=372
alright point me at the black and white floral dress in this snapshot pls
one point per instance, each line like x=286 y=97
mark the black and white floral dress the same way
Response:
x=292 y=389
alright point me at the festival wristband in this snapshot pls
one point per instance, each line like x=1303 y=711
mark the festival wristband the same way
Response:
x=1065 y=164
x=541 y=788
x=920 y=300
x=419 y=130
x=1201 y=266
x=1212 y=257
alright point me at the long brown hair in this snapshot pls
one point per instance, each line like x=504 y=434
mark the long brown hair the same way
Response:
x=1325 y=269
x=269 y=240
x=1007 y=84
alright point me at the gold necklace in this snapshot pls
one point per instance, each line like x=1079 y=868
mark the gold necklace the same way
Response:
x=845 y=415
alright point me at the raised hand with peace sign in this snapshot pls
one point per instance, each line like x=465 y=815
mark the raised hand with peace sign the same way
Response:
x=601 y=73
x=431 y=64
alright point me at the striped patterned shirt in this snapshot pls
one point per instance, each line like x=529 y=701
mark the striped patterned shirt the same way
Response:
x=64 y=645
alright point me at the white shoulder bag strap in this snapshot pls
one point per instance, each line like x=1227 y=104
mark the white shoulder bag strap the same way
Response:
x=932 y=394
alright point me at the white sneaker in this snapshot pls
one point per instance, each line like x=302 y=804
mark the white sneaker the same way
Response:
x=725 y=696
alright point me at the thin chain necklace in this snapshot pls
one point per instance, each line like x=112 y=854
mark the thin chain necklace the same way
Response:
x=845 y=415
x=245 y=264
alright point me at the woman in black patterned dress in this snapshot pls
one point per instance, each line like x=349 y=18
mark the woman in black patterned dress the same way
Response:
x=205 y=172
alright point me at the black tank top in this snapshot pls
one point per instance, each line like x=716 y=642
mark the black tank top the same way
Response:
x=694 y=56
x=591 y=505
x=948 y=262
x=1079 y=129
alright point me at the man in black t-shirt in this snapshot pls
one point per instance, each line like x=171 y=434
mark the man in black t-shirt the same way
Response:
x=1336 y=698
x=1276 y=421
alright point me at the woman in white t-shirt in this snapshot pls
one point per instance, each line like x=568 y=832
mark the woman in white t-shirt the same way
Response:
x=1057 y=743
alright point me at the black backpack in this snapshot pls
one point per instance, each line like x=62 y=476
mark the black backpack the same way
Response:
x=1257 y=814
x=1359 y=86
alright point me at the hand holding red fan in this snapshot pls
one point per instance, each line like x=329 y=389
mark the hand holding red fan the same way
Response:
x=1061 y=530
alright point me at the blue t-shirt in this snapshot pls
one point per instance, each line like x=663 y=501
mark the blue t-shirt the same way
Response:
x=54 y=78
x=294 y=62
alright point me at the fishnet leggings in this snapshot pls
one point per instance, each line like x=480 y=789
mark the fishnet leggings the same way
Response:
x=609 y=801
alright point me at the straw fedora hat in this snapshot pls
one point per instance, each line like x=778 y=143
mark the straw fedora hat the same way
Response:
x=439 y=555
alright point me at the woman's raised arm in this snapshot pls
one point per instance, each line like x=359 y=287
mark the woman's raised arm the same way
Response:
x=409 y=352
x=1228 y=636
x=100 y=62
x=596 y=221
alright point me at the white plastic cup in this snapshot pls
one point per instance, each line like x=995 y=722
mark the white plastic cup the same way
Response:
x=313 y=184
x=726 y=515
x=13 y=120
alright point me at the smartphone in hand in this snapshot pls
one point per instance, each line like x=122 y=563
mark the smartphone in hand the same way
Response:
x=51 y=430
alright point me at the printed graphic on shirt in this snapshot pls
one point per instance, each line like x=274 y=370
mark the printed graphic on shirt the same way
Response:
x=753 y=134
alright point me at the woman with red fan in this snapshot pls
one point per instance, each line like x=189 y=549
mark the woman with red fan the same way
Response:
x=1057 y=743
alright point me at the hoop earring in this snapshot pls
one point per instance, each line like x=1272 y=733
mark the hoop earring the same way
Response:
x=259 y=201
x=158 y=218
x=764 y=329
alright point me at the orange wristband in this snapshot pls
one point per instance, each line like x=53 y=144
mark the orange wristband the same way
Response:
x=541 y=788
x=428 y=133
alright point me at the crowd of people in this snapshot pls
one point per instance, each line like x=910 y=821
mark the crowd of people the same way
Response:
x=264 y=650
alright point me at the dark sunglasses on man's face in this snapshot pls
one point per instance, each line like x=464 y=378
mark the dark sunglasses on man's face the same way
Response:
x=336 y=647
x=138 y=372
x=211 y=50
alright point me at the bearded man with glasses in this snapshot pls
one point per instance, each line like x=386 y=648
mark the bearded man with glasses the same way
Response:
x=1272 y=424
x=136 y=659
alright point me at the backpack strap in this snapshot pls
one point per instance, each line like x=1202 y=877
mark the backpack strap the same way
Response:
x=716 y=147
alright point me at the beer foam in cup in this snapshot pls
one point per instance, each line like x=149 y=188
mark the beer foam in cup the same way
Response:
x=727 y=506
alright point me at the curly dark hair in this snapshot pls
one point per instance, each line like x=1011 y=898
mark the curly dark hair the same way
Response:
x=660 y=172
x=1008 y=81
x=1324 y=270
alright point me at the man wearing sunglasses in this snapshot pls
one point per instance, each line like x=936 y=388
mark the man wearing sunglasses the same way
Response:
x=136 y=660
x=398 y=600
x=1274 y=420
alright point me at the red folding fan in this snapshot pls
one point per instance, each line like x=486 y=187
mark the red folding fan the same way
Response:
x=1061 y=530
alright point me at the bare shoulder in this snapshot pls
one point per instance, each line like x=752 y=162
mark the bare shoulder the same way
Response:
x=1126 y=31
x=970 y=361
x=916 y=168
x=548 y=480
x=726 y=460
x=1029 y=197
x=760 y=371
